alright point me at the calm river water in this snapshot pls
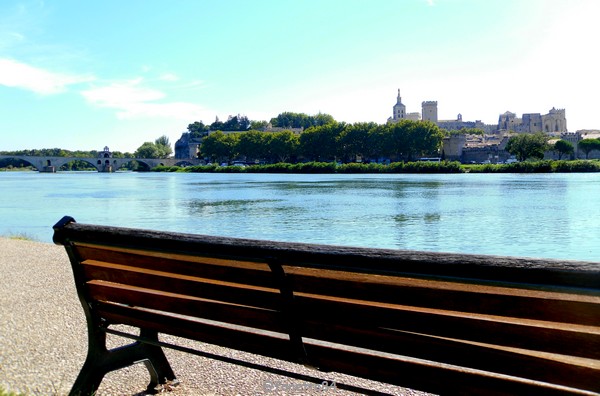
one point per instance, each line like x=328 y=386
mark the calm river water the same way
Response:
x=536 y=215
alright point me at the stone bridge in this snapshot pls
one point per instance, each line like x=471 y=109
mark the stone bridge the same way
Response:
x=102 y=164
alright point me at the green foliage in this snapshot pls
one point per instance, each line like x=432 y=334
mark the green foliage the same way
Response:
x=576 y=166
x=283 y=145
x=588 y=145
x=406 y=140
x=258 y=125
x=253 y=145
x=20 y=237
x=354 y=140
x=562 y=147
x=233 y=123
x=197 y=129
x=525 y=146
x=219 y=146
x=321 y=142
x=4 y=392
x=301 y=120
x=147 y=150
x=161 y=148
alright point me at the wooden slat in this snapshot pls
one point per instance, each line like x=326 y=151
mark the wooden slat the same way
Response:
x=186 y=305
x=576 y=340
x=398 y=370
x=263 y=343
x=430 y=376
x=235 y=293
x=251 y=273
x=559 y=369
x=452 y=296
x=494 y=269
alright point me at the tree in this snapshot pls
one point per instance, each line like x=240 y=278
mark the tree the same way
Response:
x=252 y=145
x=588 y=145
x=217 y=125
x=219 y=146
x=258 y=125
x=197 y=129
x=525 y=146
x=379 y=142
x=301 y=120
x=163 y=146
x=283 y=145
x=321 y=143
x=236 y=123
x=147 y=150
x=354 y=140
x=562 y=147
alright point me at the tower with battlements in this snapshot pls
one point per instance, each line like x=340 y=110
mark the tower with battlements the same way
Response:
x=429 y=111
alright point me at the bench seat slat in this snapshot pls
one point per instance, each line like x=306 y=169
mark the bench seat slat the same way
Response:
x=252 y=273
x=530 y=364
x=186 y=305
x=258 y=342
x=431 y=376
x=235 y=293
x=391 y=369
x=582 y=341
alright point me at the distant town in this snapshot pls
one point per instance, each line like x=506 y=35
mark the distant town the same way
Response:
x=491 y=146
x=487 y=145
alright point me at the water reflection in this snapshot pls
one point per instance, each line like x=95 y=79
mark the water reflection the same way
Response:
x=520 y=215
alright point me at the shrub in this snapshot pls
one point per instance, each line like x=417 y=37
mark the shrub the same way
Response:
x=576 y=166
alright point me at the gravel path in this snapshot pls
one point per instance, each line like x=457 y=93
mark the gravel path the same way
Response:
x=43 y=341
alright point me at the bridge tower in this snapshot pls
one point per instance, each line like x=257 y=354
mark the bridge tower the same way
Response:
x=104 y=157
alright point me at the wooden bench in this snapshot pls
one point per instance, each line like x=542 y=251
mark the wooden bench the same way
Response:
x=442 y=323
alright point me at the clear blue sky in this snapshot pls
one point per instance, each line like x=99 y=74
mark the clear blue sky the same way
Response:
x=80 y=75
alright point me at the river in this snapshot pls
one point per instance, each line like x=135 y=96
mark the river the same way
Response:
x=534 y=215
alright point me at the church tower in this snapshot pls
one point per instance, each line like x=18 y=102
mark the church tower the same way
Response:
x=430 y=111
x=399 y=109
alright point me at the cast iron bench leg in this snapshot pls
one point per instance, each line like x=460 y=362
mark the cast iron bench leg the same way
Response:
x=101 y=361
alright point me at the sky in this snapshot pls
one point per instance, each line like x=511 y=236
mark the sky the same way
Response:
x=81 y=75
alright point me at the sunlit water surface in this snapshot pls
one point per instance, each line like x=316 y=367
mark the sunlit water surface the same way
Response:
x=536 y=215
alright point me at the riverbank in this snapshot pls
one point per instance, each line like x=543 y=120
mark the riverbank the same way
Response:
x=43 y=340
x=546 y=166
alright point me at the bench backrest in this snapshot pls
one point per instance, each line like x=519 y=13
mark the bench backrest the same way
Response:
x=438 y=322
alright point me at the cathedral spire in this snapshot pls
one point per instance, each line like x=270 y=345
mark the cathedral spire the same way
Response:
x=399 y=98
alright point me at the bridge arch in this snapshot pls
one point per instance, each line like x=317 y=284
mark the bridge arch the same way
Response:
x=24 y=159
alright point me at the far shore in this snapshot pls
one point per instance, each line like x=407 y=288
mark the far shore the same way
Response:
x=415 y=167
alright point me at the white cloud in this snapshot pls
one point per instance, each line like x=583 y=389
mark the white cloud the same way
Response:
x=20 y=75
x=121 y=95
x=169 y=77
x=132 y=101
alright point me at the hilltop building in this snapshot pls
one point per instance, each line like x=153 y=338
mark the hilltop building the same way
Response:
x=430 y=113
x=399 y=112
x=553 y=122
x=491 y=146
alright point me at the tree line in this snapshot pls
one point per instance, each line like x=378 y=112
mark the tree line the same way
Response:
x=330 y=141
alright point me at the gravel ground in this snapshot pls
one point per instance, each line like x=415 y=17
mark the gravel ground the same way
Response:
x=43 y=341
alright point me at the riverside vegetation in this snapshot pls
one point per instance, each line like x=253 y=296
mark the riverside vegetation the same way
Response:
x=544 y=166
